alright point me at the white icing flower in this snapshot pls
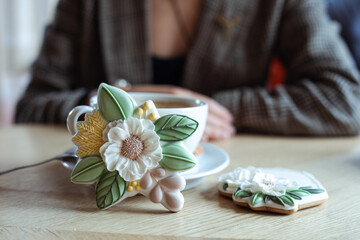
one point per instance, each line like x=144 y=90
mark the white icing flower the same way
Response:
x=254 y=180
x=131 y=147
x=267 y=183
x=239 y=175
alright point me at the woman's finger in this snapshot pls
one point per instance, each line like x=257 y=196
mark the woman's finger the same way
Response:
x=213 y=133
x=217 y=123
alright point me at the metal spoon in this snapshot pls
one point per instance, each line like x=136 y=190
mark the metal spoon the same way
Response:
x=68 y=159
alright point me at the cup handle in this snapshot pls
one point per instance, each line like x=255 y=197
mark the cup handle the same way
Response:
x=74 y=115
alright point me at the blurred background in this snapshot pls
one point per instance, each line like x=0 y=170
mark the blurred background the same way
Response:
x=22 y=25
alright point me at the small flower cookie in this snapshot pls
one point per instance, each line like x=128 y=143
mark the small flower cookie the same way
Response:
x=272 y=189
x=128 y=149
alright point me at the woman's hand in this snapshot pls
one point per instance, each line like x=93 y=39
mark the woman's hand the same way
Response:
x=220 y=121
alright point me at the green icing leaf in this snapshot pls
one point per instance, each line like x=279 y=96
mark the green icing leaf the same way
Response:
x=175 y=127
x=288 y=200
x=282 y=200
x=114 y=103
x=300 y=192
x=225 y=186
x=256 y=198
x=277 y=200
x=88 y=169
x=241 y=194
x=313 y=190
x=177 y=158
x=294 y=195
x=109 y=189
x=266 y=199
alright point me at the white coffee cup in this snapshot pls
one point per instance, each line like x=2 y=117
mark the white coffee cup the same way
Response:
x=190 y=107
x=195 y=109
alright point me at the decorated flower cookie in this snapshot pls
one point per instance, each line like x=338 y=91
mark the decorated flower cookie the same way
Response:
x=274 y=189
x=128 y=149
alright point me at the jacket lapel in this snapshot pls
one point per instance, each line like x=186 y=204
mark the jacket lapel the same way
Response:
x=124 y=40
x=213 y=44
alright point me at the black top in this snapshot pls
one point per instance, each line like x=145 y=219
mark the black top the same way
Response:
x=168 y=70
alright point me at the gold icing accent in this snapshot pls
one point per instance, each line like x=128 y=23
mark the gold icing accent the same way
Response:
x=143 y=111
x=130 y=188
x=134 y=185
x=88 y=139
x=139 y=111
x=153 y=116
x=146 y=105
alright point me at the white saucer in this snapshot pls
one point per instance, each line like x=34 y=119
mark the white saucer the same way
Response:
x=211 y=161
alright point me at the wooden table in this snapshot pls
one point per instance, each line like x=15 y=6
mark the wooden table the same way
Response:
x=41 y=203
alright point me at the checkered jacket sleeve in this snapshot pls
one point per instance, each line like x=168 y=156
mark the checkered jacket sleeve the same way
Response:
x=55 y=87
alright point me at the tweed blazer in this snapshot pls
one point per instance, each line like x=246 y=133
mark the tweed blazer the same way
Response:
x=94 y=41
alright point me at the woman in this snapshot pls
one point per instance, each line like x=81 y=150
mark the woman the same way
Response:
x=216 y=50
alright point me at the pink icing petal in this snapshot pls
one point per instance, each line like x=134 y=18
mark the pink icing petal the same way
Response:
x=156 y=194
x=175 y=200
x=158 y=172
x=146 y=181
x=174 y=182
